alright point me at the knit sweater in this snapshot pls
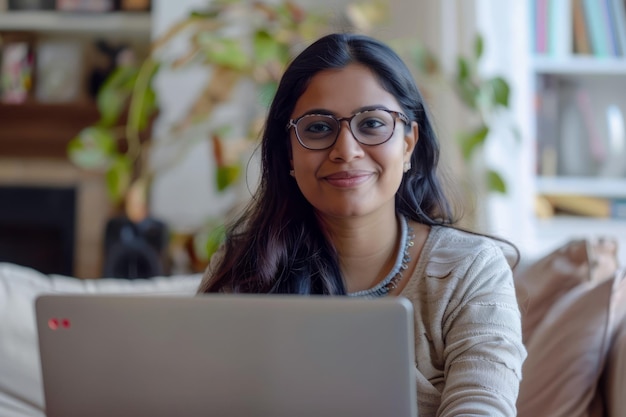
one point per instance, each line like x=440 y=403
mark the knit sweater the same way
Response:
x=468 y=337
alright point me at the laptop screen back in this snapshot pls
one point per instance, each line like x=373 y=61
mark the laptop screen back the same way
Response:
x=226 y=355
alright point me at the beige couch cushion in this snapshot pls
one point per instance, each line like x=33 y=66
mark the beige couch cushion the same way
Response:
x=20 y=375
x=569 y=345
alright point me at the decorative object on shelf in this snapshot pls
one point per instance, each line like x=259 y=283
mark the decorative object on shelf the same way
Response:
x=135 y=5
x=92 y=6
x=59 y=66
x=114 y=55
x=16 y=68
x=31 y=4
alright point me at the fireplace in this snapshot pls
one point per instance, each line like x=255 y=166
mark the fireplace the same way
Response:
x=37 y=227
x=67 y=210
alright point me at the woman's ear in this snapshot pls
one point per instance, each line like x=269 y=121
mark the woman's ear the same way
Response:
x=410 y=140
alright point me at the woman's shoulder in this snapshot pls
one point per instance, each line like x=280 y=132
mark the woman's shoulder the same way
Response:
x=460 y=242
x=448 y=249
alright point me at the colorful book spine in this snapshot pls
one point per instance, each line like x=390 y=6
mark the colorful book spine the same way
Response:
x=601 y=207
x=560 y=28
x=609 y=27
x=581 y=31
x=619 y=19
x=598 y=30
x=541 y=26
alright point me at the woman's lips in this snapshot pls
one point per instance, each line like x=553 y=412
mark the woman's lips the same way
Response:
x=346 y=179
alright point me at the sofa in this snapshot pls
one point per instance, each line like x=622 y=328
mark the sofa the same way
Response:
x=573 y=303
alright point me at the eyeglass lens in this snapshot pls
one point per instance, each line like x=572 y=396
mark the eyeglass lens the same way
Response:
x=371 y=127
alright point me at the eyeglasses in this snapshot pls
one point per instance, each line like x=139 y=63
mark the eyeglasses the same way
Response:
x=369 y=127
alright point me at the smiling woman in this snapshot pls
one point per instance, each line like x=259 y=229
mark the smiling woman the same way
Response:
x=350 y=203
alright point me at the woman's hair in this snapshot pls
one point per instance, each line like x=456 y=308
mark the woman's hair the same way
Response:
x=277 y=245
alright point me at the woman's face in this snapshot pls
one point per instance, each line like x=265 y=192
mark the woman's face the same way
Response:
x=349 y=178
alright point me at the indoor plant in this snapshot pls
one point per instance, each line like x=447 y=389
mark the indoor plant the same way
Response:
x=236 y=42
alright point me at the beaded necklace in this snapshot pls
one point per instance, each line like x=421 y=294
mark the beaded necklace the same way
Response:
x=402 y=260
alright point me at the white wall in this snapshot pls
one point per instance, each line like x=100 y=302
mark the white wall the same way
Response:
x=504 y=24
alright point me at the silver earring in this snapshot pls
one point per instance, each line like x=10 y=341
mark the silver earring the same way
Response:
x=292 y=172
x=407 y=166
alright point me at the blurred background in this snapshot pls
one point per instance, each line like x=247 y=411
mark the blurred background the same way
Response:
x=128 y=128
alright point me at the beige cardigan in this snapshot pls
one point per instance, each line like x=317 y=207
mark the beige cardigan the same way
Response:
x=468 y=337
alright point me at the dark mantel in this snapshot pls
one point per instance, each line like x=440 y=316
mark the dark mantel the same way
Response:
x=42 y=130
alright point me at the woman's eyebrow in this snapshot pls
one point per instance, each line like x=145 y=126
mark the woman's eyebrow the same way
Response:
x=330 y=113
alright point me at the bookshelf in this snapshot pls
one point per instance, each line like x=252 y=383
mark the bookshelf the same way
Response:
x=510 y=33
x=578 y=114
x=42 y=128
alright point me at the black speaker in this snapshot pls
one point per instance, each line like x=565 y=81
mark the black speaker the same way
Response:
x=135 y=250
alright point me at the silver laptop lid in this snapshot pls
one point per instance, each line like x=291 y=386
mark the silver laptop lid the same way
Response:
x=226 y=355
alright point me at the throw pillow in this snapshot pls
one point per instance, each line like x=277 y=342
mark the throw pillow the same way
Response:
x=615 y=378
x=543 y=282
x=21 y=389
x=568 y=350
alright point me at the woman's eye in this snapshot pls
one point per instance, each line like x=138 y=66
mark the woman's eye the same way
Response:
x=371 y=124
x=318 y=128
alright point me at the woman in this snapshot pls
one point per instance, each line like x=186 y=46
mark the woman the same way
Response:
x=349 y=204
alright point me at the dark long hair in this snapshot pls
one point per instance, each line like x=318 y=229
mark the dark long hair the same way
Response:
x=277 y=245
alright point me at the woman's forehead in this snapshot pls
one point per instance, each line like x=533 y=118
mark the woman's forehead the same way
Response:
x=343 y=92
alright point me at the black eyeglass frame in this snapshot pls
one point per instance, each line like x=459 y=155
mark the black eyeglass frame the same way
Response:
x=396 y=114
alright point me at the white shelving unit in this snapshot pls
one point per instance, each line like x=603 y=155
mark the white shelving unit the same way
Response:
x=506 y=28
x=603 y=81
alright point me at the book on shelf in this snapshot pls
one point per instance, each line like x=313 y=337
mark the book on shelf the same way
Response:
x=600 y=207
x=618 y=14
x=561 y=28
x=548 y=131
x=540 y=26
x=598 y=27
x=580 y=29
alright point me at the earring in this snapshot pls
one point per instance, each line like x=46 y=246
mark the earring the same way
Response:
x=407 y=166
x=292 y=173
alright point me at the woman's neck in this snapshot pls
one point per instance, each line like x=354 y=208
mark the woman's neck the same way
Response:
x=367 y=248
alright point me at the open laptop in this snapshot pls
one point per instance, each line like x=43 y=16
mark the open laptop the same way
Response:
x=226 y=355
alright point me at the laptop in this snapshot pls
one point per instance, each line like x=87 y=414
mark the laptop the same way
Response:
x=226 y=355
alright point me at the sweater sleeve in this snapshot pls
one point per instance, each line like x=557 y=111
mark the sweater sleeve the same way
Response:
x=483 y=350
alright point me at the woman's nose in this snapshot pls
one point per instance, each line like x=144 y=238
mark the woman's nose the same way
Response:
x=346 y=146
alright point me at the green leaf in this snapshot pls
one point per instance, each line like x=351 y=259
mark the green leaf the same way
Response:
x=495 y=182
x=501 y=91
x=118 y=177
x=468 y=93
x=267 y=48
x=93 y=148
x=145 y=109
x=225 y=52
x=226 y=175
x=463 y=70
x=478 y=47
x=111 y=104
x=214 y=239
x=470 y=141
x=113 y=96
x=266 y=93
